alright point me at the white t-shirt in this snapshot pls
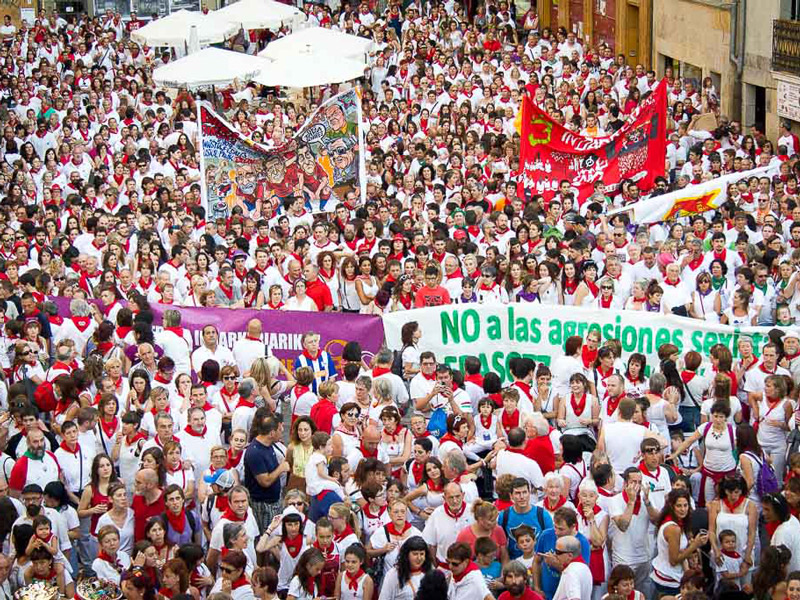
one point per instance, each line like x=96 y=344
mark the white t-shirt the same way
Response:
x=575 y=582
x=622 y=441
x=629 y=547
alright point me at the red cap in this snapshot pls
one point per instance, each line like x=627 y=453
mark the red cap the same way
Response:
x=398 y=237
x=20 y=244
x=459 y=233
x=55 y=187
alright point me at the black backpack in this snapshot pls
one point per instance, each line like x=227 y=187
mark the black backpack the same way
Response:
x=397 y=361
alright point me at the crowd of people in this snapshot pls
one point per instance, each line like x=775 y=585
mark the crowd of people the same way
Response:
x=163 y=464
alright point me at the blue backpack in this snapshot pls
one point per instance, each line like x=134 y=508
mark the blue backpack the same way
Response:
x=766 y=481
x=437 y=425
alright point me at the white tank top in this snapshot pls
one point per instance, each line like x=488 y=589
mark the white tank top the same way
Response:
x=719 y=450
x=486 y=435
x=574 y=426
x=737 y=522
x=347 y=593
x=769 y=435
x=663 y=572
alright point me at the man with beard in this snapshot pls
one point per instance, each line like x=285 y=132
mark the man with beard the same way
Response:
x=36 y=465
x=515 y=578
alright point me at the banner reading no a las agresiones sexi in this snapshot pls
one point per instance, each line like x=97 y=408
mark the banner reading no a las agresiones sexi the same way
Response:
x=496 y=333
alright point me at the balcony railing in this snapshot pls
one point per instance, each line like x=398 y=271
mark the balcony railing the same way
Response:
x=786 y=46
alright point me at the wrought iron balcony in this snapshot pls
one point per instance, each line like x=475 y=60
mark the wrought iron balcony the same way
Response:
x=786 y=46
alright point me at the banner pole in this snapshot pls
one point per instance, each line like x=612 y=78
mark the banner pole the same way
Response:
x=362 y=161
x=203 y=187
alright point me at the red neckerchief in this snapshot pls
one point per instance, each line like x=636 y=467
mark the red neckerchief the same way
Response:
x=114 y=562
x=226 y=397
x=345 y=532
x=768 y=372
x=105 y=347
x=136 y=437
x=228 y=292
x=637 y=505
x=477 y=379
x=606 y=303
x=326 y=552
x=593 y=288
x=241 y=582
x=523 y=387
x=193 y=433
x=732 y=507
x=731 y=553
x=771 y=527
x=431 y=377
x=397 y=433
x=82 y=323
x=246 y=403
x=469 y=569
x=294 y=545
x=366 y=453
x=176 y=330
x=232 y=516
x=392 y=530
x=371 y=515
x=308 y=355
x=613 y=403
x=486 y=421
x=109 y=428
x=562 y=500
x=595 y=509
x=588 y=356
x=378 y=371
x=578 y=407
x=160 y=379
x=570 y=286
x=645 y=471
x=177 y=522
x=455 y=515
x=509 y=421
x=107 y=309
x=418 y=469
x=406 y=300
x=577 y=559
x=352 y=582
x=66 y=448
x=233 y=461
x=449 y=437
x=221 y=503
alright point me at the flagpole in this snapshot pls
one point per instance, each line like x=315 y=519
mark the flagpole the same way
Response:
x=362 y=161
x=203 y=187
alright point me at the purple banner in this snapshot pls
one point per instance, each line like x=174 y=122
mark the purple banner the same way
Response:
x=281 y=330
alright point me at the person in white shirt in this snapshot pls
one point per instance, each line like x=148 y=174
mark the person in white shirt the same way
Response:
x=576 y=578
x=176 y=341
x=250 y=347
x=446 y=521
x=513 y=462
x=110 y=561
x=621 y=440
x=246 y=409
x=211 y=350
x=465 y=581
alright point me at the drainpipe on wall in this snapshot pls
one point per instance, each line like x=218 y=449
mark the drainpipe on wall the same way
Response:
x=738 y=10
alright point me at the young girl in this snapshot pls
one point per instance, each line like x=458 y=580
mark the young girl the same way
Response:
x=353 y=583
x=324 y=543
x=509 y=417
x=304 y=585
x=43 y=568
x=287 y=547
x=43 y=537
x=486 y=427
x=316 y=470
x=174 y=579
x=345 y=530
x=110 y=561
x=373 y=514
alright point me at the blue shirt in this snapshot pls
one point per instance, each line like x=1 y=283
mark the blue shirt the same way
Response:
x=547 y=543
x=515 y=519
x=258 y=460
x=493 y=572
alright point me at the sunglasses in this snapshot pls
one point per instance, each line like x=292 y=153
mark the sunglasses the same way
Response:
x=560 y=552
x=606 y=287
x=652 y=450
x=229 y=378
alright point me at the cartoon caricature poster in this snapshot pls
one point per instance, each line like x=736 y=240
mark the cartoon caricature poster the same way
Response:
x=323 y=163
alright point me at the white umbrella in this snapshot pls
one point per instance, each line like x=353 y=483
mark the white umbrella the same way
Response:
x=174 y=30
x=320 y=41
x=261 y=14
x=306 y=69
x=208 y=67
